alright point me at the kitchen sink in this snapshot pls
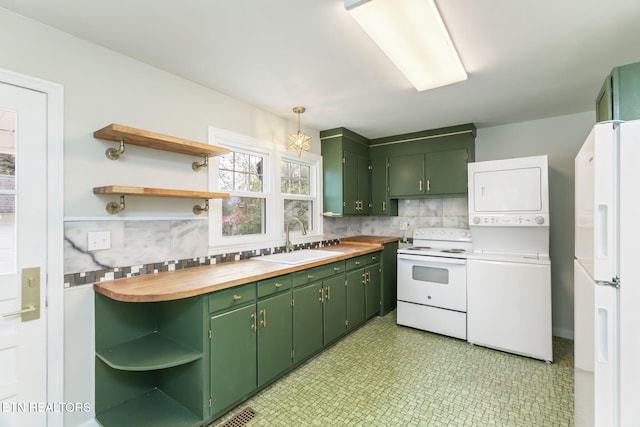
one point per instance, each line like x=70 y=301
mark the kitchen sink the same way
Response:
x=298 y=257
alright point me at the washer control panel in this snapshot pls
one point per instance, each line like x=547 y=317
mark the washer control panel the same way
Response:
x=510 y=220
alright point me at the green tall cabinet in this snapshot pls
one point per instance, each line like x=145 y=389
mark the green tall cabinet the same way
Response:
x=346 y=170
x=619 y=97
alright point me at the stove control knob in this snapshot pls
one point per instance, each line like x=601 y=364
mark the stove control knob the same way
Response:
x=539 y=220
x=476 y=220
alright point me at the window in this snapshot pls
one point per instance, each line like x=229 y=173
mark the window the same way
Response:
x=242 y=173
x=267 y=187
x=295 y=186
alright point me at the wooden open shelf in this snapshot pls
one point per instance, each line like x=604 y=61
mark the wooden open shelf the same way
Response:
x=125 y=190
x=143 y=138
x=147 y=353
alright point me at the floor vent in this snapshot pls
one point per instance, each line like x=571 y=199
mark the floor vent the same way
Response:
x=242 y=418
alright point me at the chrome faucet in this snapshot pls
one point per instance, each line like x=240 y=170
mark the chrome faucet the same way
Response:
x=288 y=246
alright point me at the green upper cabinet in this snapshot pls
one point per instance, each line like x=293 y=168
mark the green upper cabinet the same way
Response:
x=619 y=97
x=406 y=175
x=346 y=172
x=428 y=163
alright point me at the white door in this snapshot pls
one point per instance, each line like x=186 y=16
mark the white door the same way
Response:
x=23 y=255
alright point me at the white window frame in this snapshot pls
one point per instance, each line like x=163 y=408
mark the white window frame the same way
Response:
x=274 y=200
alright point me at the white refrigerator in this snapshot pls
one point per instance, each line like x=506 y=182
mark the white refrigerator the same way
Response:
x=607 y=277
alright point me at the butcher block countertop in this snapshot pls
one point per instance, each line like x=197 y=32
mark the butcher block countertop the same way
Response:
x=190 y=282
x=381 y=240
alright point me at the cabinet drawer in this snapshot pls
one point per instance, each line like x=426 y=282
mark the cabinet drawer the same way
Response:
x=317 y=273
x=232 y=297
x=363 y=260
x=274 y=285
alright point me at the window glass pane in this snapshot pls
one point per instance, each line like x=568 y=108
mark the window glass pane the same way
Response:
x=7 y=171
x=295 y=178
x=301 y=209
x=243 y=215
x=240 y=172
x=7 y=192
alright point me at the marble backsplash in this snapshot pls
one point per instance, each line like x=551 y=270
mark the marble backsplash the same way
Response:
x=450 y=212
x=149 y=247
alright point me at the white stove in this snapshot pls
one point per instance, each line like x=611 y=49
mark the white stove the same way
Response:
x=432 y=281
x=443 y=242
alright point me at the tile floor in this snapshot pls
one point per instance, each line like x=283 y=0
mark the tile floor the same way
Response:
x=387 y=375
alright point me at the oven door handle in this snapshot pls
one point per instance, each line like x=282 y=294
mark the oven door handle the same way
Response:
x=431 y=259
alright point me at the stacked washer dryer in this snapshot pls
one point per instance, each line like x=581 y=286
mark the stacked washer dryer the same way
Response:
x=509 y=270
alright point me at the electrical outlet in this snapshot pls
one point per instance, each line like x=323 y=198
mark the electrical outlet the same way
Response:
x=98 y=240
x=404 y=225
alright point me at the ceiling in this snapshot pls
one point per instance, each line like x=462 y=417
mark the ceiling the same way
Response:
x=526 y=60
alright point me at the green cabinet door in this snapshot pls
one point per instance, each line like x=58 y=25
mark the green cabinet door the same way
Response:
x=350 y=183
x=406 y=175
x=355 y=173
x=356 y=281
x=307 y=321
x=446 y=172
x=233 y=357
x=373 y=289
x=275 y=329
x=380 y=203
x=334 y=308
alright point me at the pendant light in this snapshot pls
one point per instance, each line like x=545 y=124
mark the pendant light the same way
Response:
x=299 y=141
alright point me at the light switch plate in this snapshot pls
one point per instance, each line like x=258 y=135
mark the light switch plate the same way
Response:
x=98 y=240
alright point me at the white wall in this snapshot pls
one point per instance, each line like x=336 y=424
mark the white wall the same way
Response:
x=560 y=138
x=103 y=87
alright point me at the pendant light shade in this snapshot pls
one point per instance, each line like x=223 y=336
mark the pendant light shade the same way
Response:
x=412 y=34
x=299 y=141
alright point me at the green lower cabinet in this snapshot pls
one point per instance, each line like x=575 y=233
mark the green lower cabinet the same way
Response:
x=373 y=290
x=233 y=357
x=307 y=321
x=275 y=327
x=356 y=280
x=150 y=364
x=334 y=308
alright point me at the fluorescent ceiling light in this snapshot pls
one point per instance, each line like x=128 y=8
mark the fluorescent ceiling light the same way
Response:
x=411 y=33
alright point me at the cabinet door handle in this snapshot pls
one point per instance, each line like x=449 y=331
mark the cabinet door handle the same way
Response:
x=368 y=277
x=374 y=258
x=278 y=285
x=384 y=206
x=263 y=322
x=237 y=297
x=420 y=184
x=428 y=185
x=254 y=326
x=336 y=268
x=328 y=293
x=309 y=276
x=357 y=262
x=321 y=299
x=364 y=278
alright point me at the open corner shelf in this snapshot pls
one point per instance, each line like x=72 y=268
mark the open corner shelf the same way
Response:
x=147 y=353
x=143 y=138
x=154 y=408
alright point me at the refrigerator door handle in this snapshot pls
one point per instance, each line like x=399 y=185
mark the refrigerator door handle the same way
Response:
x=602 y=232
